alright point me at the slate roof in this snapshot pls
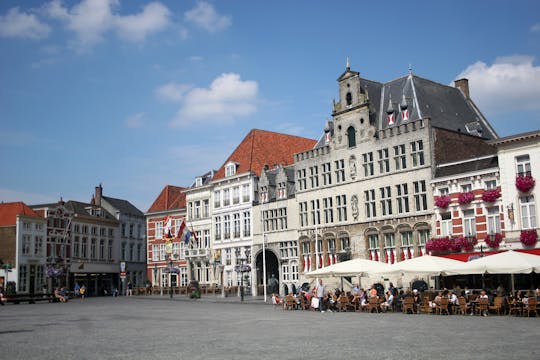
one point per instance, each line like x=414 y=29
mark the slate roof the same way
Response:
x=447 y=106
x=9 y=212
x=124 y=206
x=261 y=147
x=80 y=209
x=467 y=166
x=171 y=197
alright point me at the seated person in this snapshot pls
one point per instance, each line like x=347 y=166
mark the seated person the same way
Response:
x=389 y=300
x=483 y=295
x=373 y=292
x=452 y=301
x=60 y=295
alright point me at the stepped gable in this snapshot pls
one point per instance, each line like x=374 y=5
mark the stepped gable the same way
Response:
x=9 y=212
x=262 y=148
x=171 y=197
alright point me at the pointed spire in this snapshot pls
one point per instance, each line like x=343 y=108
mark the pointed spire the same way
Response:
x=390 y=109
x=348 y=64
x=403 y=104
x=410 y=69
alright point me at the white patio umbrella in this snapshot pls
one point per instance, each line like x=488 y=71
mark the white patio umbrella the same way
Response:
x=508 y=262
x=424 y=265
x=354 y=267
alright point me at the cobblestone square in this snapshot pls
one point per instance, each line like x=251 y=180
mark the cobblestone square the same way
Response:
x=156 y=327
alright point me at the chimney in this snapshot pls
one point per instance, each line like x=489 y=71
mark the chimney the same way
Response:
x=463 y=85
x=97 y=196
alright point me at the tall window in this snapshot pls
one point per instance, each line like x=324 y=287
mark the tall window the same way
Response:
x=227 y=226
x=341 y=205
x=328 y=210
x=236 y=195
x=26 y=245
x=369 y=201
x=402 y=192
x=340 y=170
x=490 y=184
x=528 y=212
x=326 y=174
x=390 y=247
x=159 y=229
x=301 y=179
x=217 y=228
x=423 y=236
x=247 y=223
x=197 y=209
x=384 y=161
x=101 y=249
x=206 y=208
x=110 y=250
x=417 y=153
x=446 y=224
x=493 y=221
x=315 y=212
x=245 y=193
x=400 y=160
x=236 y=223
x=386 y=200
x=217 y=199
x=84 y=244
x=368 y=163
x=303 y=206
x=123 y=250
x=314 y=176
x=76 y=245
x=420 y=196
x=523 y=164
x=226 y=197
x=469 y=223
x=351 y=135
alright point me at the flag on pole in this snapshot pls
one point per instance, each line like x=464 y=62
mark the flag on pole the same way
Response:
x=391 y=120
x=167 y=228
x=181 y=230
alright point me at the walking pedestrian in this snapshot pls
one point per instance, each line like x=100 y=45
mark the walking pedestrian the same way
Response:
x=321 y=289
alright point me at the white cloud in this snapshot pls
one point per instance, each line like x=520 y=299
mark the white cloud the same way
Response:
x=16 y=24
x=135 y=121
x=195 y=59
x=535 y=27
x=509 y=84
x=227 y=98
x=205 y=16
x=153 y=18
x=91 y=19
x=172 y=91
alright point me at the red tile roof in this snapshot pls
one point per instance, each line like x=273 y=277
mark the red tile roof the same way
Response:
x=171 y=197
x=9 y=212
x=261 y=147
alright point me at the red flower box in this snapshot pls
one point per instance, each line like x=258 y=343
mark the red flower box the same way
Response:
x=465 y=198
x=493 y=241
x=438 y=245
x=491 y=195
x=528 y=237
x=524 y=183
x=443 y=201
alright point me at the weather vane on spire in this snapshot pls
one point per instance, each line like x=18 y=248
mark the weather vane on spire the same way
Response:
x=348 y=64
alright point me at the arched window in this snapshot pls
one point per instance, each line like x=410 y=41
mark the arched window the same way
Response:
x=348 y=98
x=351 y=135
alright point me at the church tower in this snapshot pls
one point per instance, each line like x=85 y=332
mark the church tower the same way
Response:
x=351 y=112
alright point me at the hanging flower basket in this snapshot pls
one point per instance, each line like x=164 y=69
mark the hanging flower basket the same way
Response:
x=524 y=183
x=172 y=270
x=491 y=195
x=439 y=245
x=493 y=241
x=465 y=198
x=528 y=237
x=443 y=201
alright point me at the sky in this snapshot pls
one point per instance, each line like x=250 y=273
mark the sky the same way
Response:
x=136 y=95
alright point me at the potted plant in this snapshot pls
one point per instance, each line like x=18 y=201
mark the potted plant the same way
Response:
x=493 y=241
x=466 y=198
x=524 y=183
x=528 y=237
x=491 y=195
x=443 y=201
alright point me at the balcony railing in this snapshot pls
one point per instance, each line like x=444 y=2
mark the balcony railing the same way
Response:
x=197 y=253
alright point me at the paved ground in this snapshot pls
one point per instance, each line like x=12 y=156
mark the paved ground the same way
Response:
x=215 y=328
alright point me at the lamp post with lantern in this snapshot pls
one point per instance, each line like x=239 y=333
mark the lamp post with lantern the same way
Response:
x=242 y=268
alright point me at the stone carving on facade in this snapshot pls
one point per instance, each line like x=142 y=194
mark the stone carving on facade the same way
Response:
x=352 y=167
x=354 y=207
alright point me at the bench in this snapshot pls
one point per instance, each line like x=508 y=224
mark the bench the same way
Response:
x=31 y=299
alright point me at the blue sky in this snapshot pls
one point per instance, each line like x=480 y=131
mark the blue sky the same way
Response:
x=137 y=94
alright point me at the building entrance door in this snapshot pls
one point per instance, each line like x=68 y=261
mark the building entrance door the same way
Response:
x=272 y=268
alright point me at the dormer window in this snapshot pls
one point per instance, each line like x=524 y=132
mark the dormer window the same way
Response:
x=264 y=194
x=198 y=181
x=230 y=169
x=282 y=191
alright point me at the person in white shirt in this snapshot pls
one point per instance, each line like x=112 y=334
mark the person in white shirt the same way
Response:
x=387 y=304
x=321 y=289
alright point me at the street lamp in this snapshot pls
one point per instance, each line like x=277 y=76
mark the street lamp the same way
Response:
x=242 y=268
